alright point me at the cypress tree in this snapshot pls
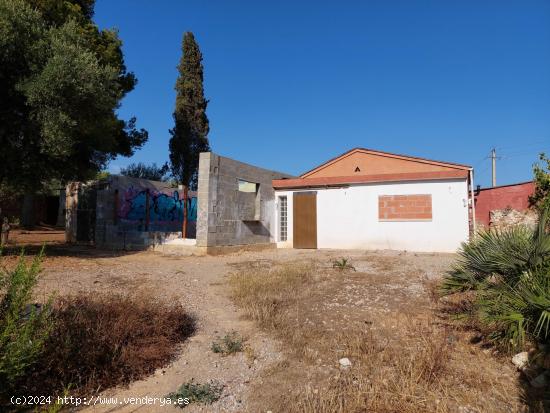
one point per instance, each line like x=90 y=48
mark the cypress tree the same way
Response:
x=189 y=135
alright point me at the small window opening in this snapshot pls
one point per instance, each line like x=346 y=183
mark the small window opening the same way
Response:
x=357 y=169
x=283 y=218
x=249 y=202
x=245 y=186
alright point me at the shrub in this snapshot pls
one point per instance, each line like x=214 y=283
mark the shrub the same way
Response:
x=106 y=340
x=343 y=264
x=231 y=343
x=193 y=392
x=541 y=196
x=509 y=272
x=517 y=312
x=24 y=327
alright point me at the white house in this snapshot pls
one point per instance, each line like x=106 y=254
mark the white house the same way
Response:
x=370 y=199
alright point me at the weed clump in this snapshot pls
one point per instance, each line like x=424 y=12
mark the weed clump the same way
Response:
x=192 y=392
x=231 y=343
x=343 y=264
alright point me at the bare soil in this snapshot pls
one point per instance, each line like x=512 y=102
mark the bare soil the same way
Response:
x=387 y=291
x=37 y=236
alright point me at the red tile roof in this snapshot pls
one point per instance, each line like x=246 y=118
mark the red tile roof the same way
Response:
x=364 y=179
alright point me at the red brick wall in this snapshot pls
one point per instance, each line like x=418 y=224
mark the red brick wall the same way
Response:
x=405 y=207
x=501 y=197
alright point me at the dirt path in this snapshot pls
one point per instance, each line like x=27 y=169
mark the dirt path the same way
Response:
x=198 y=283
x=389 y=280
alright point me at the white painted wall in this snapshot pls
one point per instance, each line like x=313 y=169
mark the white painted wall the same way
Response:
x=347 y=218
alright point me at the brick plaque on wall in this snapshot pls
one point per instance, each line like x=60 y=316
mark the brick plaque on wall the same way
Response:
x=405 y=207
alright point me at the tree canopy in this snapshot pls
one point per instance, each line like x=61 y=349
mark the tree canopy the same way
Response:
x=189 y=135
x=61 y=82
x=143 y=171
x=541 y=197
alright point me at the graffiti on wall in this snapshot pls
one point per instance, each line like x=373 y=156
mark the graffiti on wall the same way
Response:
x=165 y=209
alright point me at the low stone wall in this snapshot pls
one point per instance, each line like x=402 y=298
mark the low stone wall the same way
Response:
x=503 y=218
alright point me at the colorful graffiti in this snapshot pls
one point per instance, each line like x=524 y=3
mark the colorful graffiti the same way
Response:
x=165 y=209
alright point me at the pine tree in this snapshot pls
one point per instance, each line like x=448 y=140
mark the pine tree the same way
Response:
x=189 y=135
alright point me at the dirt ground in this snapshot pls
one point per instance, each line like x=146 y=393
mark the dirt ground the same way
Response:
x=40 y=235
x=385 y=282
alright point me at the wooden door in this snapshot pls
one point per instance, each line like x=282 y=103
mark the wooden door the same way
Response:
x=305 y=219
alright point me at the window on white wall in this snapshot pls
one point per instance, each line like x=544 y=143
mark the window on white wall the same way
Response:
x=283 y=218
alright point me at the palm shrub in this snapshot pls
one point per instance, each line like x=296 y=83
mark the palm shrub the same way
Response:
x=517 y=312
x=508 y=271
x=23 y=328
x=503 y=253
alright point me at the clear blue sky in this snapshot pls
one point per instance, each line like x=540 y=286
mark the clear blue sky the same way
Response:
x=294 y=83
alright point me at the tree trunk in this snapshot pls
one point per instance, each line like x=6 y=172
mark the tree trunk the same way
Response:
x=27 y=214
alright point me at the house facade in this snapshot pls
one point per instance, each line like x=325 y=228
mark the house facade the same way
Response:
x=367 y=199
x=363 y=199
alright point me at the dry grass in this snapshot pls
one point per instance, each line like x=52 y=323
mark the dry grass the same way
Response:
x=105 y=340
x=400 y=362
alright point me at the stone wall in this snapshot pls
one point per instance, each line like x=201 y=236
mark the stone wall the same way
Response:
x=230 y=211
x=503 y=218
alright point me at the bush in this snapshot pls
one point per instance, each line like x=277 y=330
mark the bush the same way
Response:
x=193 y=392
x=231 y=343
x=102 y=341
x=24 y=328
x=509 y=272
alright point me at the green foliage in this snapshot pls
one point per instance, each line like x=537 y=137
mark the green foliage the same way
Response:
x=507 y=252
x=143 y=171
x=61 y=81
x=102 y=175
x=517 y=312
x=509 y=272
x=343 y=264
x=193 y=392
x=189 y=135
x=231 y=343
x=541 y=197
x=23 y=327
x=57 y=406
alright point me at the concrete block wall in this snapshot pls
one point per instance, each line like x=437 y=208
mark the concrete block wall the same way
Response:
x=113 y=231
x=224 y=212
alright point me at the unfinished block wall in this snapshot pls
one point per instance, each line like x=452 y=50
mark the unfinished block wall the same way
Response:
x=236 y=203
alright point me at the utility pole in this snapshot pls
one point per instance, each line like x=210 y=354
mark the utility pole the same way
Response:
x=494 y=162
